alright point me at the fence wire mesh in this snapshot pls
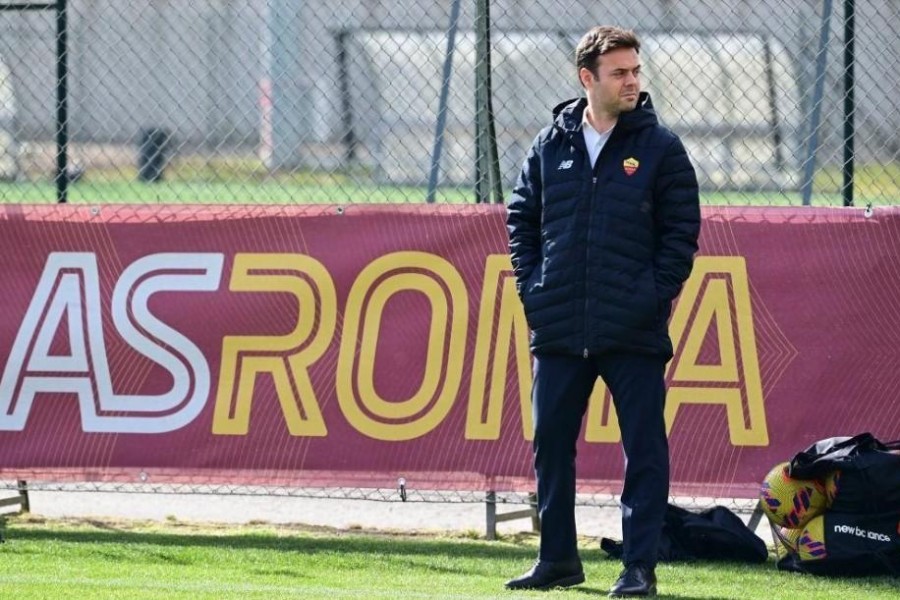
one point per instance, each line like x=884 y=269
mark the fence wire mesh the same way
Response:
x=399 y=494
x=410 y=101
x=288 y=101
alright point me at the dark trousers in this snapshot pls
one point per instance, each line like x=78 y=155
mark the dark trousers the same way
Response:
x=562 y=385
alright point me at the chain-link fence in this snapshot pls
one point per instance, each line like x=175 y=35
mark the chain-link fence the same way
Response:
x=289 y=101
x=410 y=101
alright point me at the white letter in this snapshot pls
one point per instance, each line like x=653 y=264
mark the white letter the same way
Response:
x=76 y=297
x=160 y=343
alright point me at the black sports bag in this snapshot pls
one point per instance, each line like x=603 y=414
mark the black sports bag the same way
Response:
x=868 y=478
x=853 y=544
x=712 y=534
x=860 y=530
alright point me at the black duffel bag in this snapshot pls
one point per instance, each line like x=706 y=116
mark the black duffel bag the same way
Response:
x=714 y=534
x=860 y=530
x=854 y=544
x=868 y=478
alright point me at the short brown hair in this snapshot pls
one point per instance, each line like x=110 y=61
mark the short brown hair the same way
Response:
x=600 y=40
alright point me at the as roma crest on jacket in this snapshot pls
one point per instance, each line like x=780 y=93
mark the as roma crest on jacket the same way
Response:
x=630 y=165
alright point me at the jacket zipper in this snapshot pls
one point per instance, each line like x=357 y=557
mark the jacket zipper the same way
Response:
x=587 y=256
x=594 y=176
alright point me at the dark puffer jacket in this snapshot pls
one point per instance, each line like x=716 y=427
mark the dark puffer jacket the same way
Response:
x=600 y=254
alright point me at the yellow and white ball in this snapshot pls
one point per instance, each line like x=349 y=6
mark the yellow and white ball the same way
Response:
x=790 y=502
x=811 y=541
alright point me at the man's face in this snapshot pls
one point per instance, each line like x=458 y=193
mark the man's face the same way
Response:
x=616 y=87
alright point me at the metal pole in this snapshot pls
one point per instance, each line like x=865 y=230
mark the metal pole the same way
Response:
x=777 y=138
x=493 y=157
x=849 y=100
x=62 y=113
x=821 y=58
x=442 y=103
x=293 y=37
x=487 y=167
x=348 y=138
x=481 y=168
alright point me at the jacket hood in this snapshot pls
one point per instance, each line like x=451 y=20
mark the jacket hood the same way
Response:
x=567 y=115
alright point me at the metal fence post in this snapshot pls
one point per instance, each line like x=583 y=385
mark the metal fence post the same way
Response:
x=493 y=517
x=815 y=119
x=849 y=100
x=442 y=103
x=487 y=166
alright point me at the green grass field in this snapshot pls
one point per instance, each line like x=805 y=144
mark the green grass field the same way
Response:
x=236 y=192
x=224 y=192
x=128 y=560
x=187 y=182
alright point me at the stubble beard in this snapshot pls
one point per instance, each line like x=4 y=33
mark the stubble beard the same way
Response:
x=626 y=105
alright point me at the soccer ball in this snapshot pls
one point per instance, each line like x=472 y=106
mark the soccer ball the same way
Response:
x=811 y=541
x=789 y=538
x=832 y=487
x=808 y=543
x=790 y=502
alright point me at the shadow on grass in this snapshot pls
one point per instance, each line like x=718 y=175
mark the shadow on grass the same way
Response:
x=601 y=592
x=402 y=552
x=299 y=542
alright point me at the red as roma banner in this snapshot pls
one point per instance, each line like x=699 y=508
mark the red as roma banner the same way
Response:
x=354 y=345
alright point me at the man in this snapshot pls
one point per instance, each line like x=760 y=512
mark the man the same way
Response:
x=603 y=226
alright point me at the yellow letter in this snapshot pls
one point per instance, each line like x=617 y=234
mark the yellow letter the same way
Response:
x=441 y=284
x=720 y=291
x=492 y=354
x=716 y=285
x=602 y=423
x=312 y=286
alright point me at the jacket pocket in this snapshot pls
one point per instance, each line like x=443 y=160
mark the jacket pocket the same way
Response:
x=647 y=303
x=532 y=290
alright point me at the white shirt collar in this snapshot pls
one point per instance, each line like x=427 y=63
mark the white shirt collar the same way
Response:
x=593 y=139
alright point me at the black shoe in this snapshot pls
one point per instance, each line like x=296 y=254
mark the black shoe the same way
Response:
x=636 y=580
x=546 y=575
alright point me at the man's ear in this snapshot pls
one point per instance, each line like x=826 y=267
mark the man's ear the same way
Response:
x=585 y=76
